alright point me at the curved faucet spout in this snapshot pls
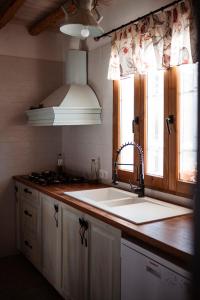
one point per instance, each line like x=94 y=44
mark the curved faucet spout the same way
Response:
x=140 y=189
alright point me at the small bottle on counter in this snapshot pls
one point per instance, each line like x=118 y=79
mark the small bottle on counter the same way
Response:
x=60 y=164
x=94 y=171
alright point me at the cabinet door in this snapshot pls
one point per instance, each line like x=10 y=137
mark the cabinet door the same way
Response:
x=29 y=217
x=74 y=257
x=30 y=249
x=51 y=241
x=30 y=229
x=17 y=188
x=104 y=245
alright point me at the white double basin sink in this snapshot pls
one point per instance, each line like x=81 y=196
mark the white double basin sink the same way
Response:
x=128 y=206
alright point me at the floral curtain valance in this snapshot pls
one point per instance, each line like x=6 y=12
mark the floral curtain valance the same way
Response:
x=158 y=41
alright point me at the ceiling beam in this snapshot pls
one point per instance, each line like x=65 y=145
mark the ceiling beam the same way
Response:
x=51 y=19
x=10 y=11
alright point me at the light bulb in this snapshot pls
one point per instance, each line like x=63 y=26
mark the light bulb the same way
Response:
x=85 y=32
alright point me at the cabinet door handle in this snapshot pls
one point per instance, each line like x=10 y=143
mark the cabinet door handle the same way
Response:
x=81 y=222
x=28 y=245
x=83 y=228
x=56 y=214
x=27 y=191
x=27 y=213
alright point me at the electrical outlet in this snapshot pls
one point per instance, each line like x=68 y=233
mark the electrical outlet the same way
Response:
x=103 y=174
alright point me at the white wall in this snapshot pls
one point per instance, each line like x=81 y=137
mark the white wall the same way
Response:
x=30 y=69
x=16 y=41
x=82 y=143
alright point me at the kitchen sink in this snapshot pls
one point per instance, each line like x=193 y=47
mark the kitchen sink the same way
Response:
x=101 y=195
x=123 y=202
x=128 y=206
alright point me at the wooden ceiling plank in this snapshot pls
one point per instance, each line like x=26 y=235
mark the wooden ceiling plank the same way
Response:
x=9 y=13
x=48 y=21
x=51 y=20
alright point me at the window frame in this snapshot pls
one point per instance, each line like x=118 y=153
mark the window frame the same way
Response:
x=123 y=175
x=169 y=182
x=179 y=187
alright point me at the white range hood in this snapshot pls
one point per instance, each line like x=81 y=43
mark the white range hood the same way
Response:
x=74 y=103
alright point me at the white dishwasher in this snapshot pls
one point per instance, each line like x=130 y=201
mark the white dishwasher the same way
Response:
x=146 y=276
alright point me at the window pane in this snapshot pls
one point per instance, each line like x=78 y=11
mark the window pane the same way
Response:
x=188 y=123
x=155 y=123
x=126 y=117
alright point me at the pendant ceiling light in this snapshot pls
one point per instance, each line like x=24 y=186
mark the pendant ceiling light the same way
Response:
x=82 y=23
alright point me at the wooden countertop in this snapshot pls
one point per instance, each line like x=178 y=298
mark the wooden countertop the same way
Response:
x=172 y=237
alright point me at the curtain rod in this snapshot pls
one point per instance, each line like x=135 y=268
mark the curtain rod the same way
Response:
x=136 y=20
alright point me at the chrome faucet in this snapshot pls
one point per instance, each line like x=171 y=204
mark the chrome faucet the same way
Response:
x=140 y=189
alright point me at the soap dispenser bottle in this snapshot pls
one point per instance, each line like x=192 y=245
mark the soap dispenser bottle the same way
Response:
x=60 y=164
x=94 y=171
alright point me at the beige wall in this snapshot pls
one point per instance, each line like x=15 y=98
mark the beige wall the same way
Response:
x=30 y=68
x=16 y=41
x=82 y=143
x=87 y=142
x=25 y=79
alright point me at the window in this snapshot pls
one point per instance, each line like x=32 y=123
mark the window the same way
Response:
x=155 y=123
x=165 y=103
x=126 y=117
x=187 y=123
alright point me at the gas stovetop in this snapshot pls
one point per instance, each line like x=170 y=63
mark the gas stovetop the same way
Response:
x=50 y=177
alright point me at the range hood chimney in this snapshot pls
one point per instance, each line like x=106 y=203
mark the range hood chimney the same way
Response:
x=74 y=103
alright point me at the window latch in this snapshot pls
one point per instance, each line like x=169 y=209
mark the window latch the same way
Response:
x=169 y=121
x=135 y=122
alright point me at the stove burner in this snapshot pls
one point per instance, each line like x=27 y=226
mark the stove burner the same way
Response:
x=50 y=177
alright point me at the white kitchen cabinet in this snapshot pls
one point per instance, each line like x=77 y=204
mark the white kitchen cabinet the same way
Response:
x=17 y=188
x=91 y=265
x=74 y=256
x=28 y=223
x=79 y=267
x=51 y=240
x=104 y=261
x=84 y=264
x=30 y=217
x=30 y=193
x=146 y=276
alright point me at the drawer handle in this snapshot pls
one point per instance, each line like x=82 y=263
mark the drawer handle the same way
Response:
x=27 y=191
x=27 y=244
x=27 y=213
